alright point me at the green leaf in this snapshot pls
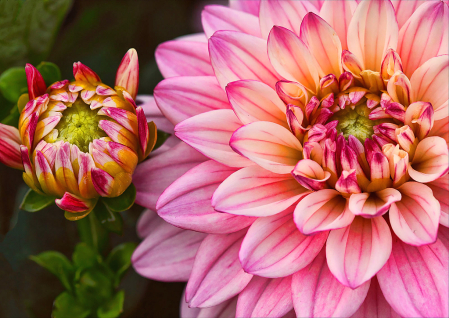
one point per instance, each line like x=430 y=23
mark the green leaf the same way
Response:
x=112 y=221
x=113 y=307
x=33 y=201
x=119 y=259
x=13 y=83
x=122 y=202
x=85 y=256
x=67 y=306
x=162 y=136
x=50 y=72
x=92 y=233
x=93 y=287
x=57 y=264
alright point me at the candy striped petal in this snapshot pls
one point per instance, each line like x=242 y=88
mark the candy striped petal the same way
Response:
x=250 y=6
x=428 y=83
x=284 y=13
x=144 y=132
x=210 y=134
x=86 y=164
x=217 y=275
x=254 y=191
x=441 y=129
x=321 y=211
x=357 y=252
x=167 y=253
x=310 y=175
x=215 y=18
x=122 y=155
x=414 y=281
x=186 y=203
x=323 y=43
x=128 y=73
x=35 y=82
x=64 y=170
x=373 y=204
x=273 y=246
x=368 y=43
x=10 y=147
x=183 y=58
x=440 y=189
x=235 y=56
x=317 y=293
x=83 y=73
x=431 y=160
x=125 y=118
x=424 y=35
x=119 y=134
x=375 y=304
x=225 y=309
x=291 y=58
x=339 y=14
x=103 y=182
x=75 y=204
x=153 y=176
x=404 y=9
x=45 y=176
x=265 y=297
x=178 y=99
x=255 y=101
x=270 y=145
x=415 y=218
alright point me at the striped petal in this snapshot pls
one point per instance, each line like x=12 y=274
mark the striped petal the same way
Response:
x=250 y=6
x=45 y=176
x=35 y=82
x=440 y=189
x=75 y=204
x=103 y=182
x=373 y=204
x=10 y=147
x=128 y=73
x=119 y=134
x=222 y=310
x=404 y=9
x=86 y=164
x=310 y=175
x=339 y=14
x=125 y=118
x=83 y=73
x=64 y=171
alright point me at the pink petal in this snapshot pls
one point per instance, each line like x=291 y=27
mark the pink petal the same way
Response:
x=235 y=56
x=74 y=204
x=250 y=6
x=357 y=252
x=404 y=9
x=424 y=35
x=429 y=85
x=83 y=73
x=10 y=147
x=317 y=293
x=441 y=129
x=321 y=211
x=215 y=18
x=178 y=99
x=153 y=176
x=284 y=13
x=186 y=203
x=254 y=191
x=373 y=204
x=415 y=218
x=147 y=223
x=400 y=89
x=338 y=14
x=415 y=279
x=183 y=58
x=167 y=253
x=440 y=189
x=311 y=175
x=103 y=182
x=255 y=101
x=265 y=298
x=225 y=309
x=273 y=246
x=291 y=58
x=128 y=73
x=217 y=275
x=36 y=84
x=369 y=43
x=271 y=146
x=152 y=112
x=210 y=134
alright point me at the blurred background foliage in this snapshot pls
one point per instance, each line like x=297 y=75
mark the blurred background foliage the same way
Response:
x=97 y=33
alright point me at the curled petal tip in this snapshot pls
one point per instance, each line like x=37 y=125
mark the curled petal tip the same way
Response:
x=128 y=73
x=83 y=73
x=36 y=84
x=74 y=204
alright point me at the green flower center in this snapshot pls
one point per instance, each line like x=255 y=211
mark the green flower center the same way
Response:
x=79 y=125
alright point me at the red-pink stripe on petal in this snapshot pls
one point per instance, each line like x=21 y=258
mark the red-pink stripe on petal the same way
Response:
x=273 y=246
x=265 y=298
x=347 y=183
x=254 y=191
x=310 y=175
x=440 y=189
x=391 y=63
x=144 y=132
x=404 y=9
x=357 y=252
x=83 y=73
x=250 y=6
x=225 y=309
x=186 y=203
x=317 y=293
x=400 y=89
x=373 y=204
x=59 y=84
x=217 y=275
x=35 y=82
x=339 y=14
x=74 y=204
x=128 y=73
x=414 y=281
x=10 y=147
x=125 y=118
x=102 y=181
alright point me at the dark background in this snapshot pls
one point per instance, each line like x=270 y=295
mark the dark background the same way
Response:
x=97 y=33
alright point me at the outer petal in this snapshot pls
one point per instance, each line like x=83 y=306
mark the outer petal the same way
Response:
x=75 y=204
x=167 y=253
x=128 y=73
x=215 y=18
x=225 y=309
x=339 y=14
x=36 y=84
x=429 y=85
x=254 y=191
x=250 y=6
x=271 y=146
x=152 y=112
x=440 y=189
x=10 y=147
x=404 y=9
x=148 y=222
x=265 y=298
x=415 y=218
x=183 y=58
x=291 y=58
x=424 y=35
x=217 y=274
x=273 y=246
x=178 y=99
x=83 y=73
x=369 y=43
x=415 y=279
x=210 y=134
x=373 y=204
x=321 y=211
x=316 y=292
x=153 y=176
x=186 y=203
x=284 y=13
x=357 y=252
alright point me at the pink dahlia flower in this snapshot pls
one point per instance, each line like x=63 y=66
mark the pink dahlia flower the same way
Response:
x=320 y=177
